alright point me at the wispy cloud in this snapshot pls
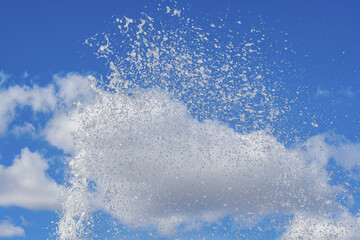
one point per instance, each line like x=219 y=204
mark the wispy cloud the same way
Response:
x=322 y=93
x=348 y=92
x=21 y=130
x=7 y=230
x=347 y=154
x=26 y=74
x=40 y=99
x=24 y=222
x=3 y=77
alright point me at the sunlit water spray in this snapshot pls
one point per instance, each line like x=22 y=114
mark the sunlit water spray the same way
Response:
x=181 y=136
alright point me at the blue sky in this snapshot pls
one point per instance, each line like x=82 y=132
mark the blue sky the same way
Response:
x=306 y=51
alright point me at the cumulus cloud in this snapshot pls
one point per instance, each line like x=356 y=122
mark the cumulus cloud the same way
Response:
x=72 y=88
x=57 y=99
x=7 y=229
x=151 y=164
x=309 y=227
x=59 y=129
x=25 y=183
x=40 y=99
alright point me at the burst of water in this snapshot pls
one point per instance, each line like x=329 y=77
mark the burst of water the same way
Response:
x=181 y=135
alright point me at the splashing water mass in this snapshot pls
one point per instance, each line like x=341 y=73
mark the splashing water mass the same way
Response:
x=189 y=136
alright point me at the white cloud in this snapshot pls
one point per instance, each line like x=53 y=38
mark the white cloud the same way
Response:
x=3 y=77
x=72 y=88
x=309 y=227
x=58 y=99
x=27 y=128
x=325 y=146
x=348 y=92
x=317 y=151
x=322 y=93
x=153 y=164
x=25 y=183
x=26 y=74
x=24 y=222
x=7 y=229
x=347 y=154
x=38 y=98
x=59 y=129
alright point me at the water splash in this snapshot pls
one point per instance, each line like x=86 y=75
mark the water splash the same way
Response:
x=217 y=73
x=182 y=135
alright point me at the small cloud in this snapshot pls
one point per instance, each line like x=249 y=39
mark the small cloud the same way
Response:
x=347 y=155
x=27 y=128
x=322 y=93
x=72 y=88
x=3 y=77
x=26 y=184
x=40 y=99
x=344 y=152
x=26 y=74
x=348 y=92
x=7 y=229
x=24 y=222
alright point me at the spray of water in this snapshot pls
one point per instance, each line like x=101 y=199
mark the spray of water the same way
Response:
x=181 y=135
